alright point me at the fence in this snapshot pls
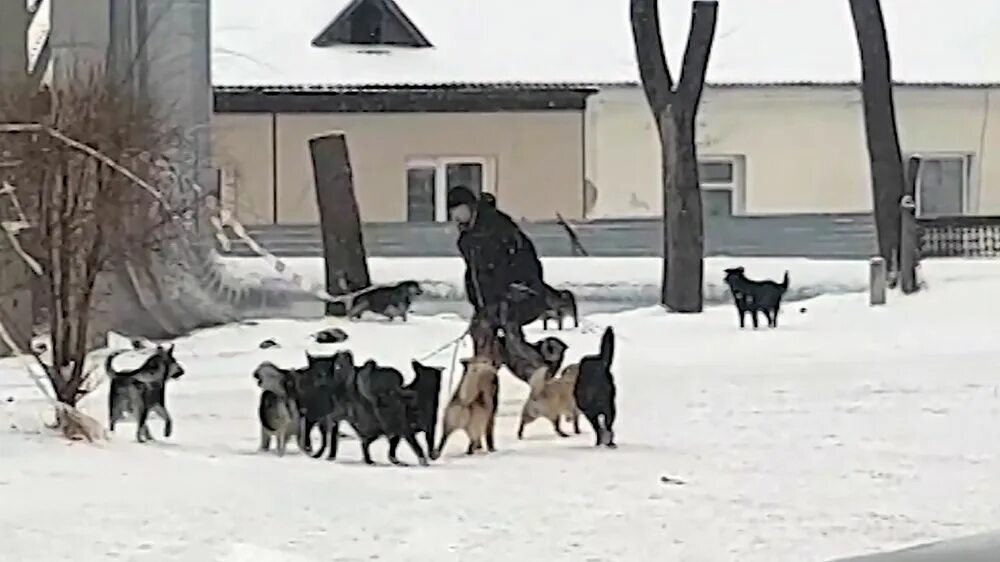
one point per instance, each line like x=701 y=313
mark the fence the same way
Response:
x=843 y=236
x=952 y=237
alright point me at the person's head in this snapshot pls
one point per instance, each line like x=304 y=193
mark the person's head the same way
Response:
x=461 y=205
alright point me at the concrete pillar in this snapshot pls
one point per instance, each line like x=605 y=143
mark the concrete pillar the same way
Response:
x=14 y=20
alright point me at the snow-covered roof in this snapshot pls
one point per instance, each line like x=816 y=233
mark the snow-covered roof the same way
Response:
x=758 y=42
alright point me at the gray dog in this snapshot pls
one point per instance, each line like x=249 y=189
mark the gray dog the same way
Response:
x=143 y=390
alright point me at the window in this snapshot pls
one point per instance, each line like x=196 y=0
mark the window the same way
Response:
x=428 y=182
x=942 y=184
x=720 y=179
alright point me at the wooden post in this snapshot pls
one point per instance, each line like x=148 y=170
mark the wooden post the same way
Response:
x=885 y=158
x=877 y=281
x=909 y=246
x=675 y=108
x=340 y=221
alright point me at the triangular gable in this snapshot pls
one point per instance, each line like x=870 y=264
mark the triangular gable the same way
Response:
x=371 y=22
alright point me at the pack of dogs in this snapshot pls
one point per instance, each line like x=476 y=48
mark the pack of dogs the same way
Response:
x=374 y=401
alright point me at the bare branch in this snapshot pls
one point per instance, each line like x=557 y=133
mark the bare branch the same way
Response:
x=648 y=40
x=704 y=15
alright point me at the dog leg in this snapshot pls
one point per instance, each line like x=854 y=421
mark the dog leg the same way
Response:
x=411 y=440
x=555 y=424
x=774 y=316
x=743 y=317
x=333 y=429
x=265 y=439
x=282 y=438
x=168 y=422
x=609 y=422
x=594 y=423
x=365 y=453
x=429 y=435
x=576 y=422
x=436 y=453
x=141 y=431
x=753 y=317
x=393 y=446
x=490 y=425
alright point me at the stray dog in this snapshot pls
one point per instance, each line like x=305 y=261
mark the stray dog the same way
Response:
x=425 y=389
x=370 y=399
x=595 y=390
x=552 y=399
x=559 y=304
x=390 y=301
x=473 y=407
x=523 y=358
x=143 y=390
x=278 y=410
x=756 y=296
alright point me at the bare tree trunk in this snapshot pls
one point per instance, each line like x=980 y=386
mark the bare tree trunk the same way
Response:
x=675 y=110
x=340 y=221
x=909 y=245
x=880 y=125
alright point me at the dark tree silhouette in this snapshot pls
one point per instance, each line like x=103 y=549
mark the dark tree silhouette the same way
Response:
x=885 y=157
x=675 y=108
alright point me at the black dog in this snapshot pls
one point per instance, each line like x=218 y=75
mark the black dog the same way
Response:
x=426 y=395
x=595 y=391
x=390 y=301
x=143 y=390
x=756 y=296
x=370 y=399
x=559 y=304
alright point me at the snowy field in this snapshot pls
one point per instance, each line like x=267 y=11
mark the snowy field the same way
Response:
x=847 y=430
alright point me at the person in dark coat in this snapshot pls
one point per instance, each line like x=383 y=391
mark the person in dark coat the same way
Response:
x=503 y=276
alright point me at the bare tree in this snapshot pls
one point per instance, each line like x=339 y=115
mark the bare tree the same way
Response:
x=675 y=108
x=884 y=154
x=80 y=153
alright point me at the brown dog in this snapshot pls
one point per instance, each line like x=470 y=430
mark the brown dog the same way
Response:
x=552 y=399
x=473 y=408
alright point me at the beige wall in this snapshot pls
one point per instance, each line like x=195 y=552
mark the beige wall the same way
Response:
x=537 y=160
x=804 y=148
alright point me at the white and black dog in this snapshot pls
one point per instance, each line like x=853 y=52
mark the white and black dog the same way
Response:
x=279 y=409
x=391 y=301
x=142 y=390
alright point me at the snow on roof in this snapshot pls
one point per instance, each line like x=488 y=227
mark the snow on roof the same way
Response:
x=758 y=42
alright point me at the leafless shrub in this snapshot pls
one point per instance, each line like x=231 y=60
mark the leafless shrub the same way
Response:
x=75 y=158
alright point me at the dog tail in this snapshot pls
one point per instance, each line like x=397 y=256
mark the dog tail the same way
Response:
x=607 y=347
x=108 y=369
x=784 y=282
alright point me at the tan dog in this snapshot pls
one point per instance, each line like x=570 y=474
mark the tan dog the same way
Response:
x=473 y=408
x=552 y=399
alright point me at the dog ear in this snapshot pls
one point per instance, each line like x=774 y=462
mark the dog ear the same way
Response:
x=417 y=367
x=170 y=350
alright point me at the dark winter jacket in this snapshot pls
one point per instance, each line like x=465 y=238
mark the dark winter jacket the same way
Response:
x=502 y=266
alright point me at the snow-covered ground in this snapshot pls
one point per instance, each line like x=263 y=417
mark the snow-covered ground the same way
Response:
x=849 y=429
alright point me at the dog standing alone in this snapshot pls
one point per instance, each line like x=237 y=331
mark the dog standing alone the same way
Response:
x=756 y=296
x=393 y=301
x=142 y=390
x=595 y=391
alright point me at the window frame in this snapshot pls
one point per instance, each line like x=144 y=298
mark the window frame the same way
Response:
x=736 y=186
x=440 y=165
x=968 y=170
